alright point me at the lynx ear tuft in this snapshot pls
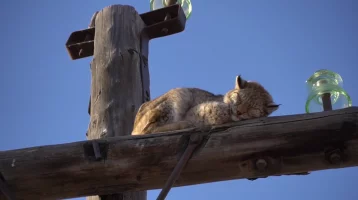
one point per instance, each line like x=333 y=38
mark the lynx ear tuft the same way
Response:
x=240 y=82
x=271 y=107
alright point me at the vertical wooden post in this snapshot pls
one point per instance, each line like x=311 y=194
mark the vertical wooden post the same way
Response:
x=119 y=77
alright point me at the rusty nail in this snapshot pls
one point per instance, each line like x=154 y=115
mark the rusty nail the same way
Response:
x=261 y=164
x=80 y=52
x=167 y=17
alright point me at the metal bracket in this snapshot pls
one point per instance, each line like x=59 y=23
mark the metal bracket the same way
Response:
x=165 y=21
x=159 y=23
x=5 y=189
x=264 y=163
x=94 y=150
x=194 y=142
x=80 y=44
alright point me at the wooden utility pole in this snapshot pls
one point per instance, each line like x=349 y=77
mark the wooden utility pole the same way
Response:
x=117 y=83
x=118 y=38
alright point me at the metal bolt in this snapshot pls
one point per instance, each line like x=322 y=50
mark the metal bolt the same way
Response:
x=335 y=158
x=165 y=30
x=261 y=164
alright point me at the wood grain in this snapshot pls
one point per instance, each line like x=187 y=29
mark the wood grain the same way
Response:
x=116 y=90
x=290 y=144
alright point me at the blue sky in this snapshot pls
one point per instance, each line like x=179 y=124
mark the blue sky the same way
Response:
x=279 y=43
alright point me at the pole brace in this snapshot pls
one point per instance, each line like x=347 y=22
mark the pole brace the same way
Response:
x=5 y=189
x=194 y=142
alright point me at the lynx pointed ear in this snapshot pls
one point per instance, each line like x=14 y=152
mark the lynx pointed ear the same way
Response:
x=240 y=82
x=271 y=107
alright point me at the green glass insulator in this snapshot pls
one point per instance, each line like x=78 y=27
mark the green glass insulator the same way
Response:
x=185 y=4
x=326 y=92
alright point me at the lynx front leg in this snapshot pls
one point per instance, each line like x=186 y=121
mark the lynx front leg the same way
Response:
x=174 y=126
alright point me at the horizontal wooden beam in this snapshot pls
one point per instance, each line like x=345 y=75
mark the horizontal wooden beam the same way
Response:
x=253 y=148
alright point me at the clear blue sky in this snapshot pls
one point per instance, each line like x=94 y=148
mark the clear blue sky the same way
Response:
x=279 y=43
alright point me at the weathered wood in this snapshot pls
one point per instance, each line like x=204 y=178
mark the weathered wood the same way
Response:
x=291 y=144
x=117 y=81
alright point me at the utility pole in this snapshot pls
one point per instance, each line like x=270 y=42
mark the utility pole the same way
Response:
x=117 y=86
x=118 y=39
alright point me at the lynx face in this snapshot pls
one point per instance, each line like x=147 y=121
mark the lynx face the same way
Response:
x=249 y=100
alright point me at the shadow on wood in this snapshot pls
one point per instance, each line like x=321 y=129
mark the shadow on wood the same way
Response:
x=253 y=148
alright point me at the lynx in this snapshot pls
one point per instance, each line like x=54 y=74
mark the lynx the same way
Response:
x=182 y=108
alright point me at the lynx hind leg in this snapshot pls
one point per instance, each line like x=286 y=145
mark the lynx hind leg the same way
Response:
x=155 y=118
x=174 y=126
